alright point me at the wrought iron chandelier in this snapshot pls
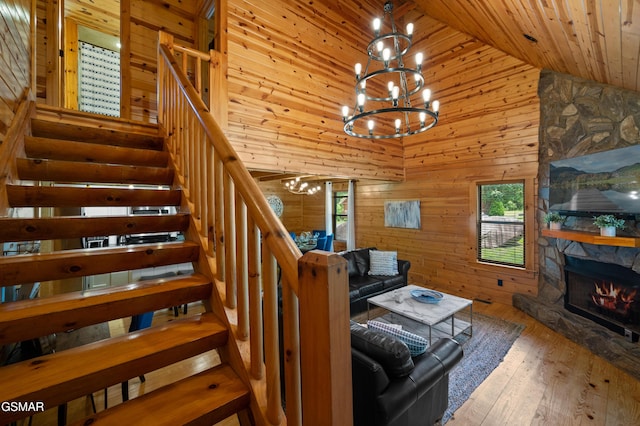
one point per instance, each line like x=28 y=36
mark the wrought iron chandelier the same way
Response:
x=385 y=88
x=297 y=186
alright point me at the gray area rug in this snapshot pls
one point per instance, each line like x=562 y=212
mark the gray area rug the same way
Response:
x=483 y=352
x=81 y=336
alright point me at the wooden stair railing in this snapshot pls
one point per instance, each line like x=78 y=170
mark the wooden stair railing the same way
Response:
x=250 y=243
x=48 y=178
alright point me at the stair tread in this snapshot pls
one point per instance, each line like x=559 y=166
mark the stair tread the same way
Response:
x=66 y=196
x=28 y=229
x=59 y=149
x=98 y=135
x=66 y=375
x=27 y=319
x=37 y=169
x=37 y=267
x=205 y=398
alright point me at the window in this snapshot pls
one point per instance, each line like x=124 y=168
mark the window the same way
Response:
x=500 y=223
x=99 y=80
x=340 y=211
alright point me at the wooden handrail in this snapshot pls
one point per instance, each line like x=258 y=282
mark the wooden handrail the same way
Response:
x=285 y=249
x=222 y=194
x=256 y=262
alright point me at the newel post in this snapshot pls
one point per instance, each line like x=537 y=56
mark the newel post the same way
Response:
x=325 y=340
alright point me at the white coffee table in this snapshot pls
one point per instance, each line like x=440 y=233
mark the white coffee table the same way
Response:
x=439 y=316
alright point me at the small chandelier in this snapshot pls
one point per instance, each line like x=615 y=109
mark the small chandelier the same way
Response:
x=384 y=90
x=296 y=186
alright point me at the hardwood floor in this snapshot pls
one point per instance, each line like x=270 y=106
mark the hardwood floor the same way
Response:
x=545 y=379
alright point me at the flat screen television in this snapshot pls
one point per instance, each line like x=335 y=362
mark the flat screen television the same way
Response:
x=603 y=183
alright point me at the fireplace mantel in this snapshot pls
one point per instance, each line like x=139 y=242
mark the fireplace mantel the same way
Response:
x=592 y=238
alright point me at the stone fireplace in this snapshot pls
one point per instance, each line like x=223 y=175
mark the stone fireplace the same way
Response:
x=580 y=117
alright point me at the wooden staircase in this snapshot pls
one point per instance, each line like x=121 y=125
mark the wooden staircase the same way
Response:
x=69 y=166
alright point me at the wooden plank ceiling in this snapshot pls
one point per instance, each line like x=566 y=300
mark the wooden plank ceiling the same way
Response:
x=597 y=40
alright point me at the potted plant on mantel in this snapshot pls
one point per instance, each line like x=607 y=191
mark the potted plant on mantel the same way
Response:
x=555 y=220
x=608 y=224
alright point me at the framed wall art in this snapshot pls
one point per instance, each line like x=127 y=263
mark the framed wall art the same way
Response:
x=402 y=214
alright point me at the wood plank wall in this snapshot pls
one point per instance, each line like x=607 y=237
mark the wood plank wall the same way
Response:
x=290 y=70
x=148 y=17
x=488 y=132
x=15 y=72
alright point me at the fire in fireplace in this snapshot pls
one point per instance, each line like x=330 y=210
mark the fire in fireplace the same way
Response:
x=617 y=301
x=605 y=293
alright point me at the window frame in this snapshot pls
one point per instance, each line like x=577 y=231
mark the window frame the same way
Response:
x=530 y=250
x=335 y=215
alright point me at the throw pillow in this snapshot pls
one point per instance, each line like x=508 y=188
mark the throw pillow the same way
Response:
x=417 y=344
x=362 y=261
x=352 y=267
x=383 y=262
x=391 y=353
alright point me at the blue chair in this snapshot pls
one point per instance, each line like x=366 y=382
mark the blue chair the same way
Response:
x=141 y=321
x=320 y=243
x=328 y=243
x=319 y=232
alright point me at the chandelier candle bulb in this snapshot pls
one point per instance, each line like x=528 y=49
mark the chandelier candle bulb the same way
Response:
x=376 y=26
x=426 y=96
x=436 y=106
x=398 y=123
x=370 y=125
x=386 y=56
x=395 y=94
x=345 y=113
x=409 y=29
x=358 y=68
x=361 y=98
x=419 y=59
x=423 y=117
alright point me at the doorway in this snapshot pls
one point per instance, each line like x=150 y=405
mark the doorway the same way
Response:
x=58 y=46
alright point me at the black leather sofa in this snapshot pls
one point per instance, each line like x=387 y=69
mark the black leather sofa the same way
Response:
x=362 y=285
x=390 y=388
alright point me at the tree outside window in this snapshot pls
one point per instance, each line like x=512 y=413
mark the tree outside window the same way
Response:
x=340 y=211
x=500 y=223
